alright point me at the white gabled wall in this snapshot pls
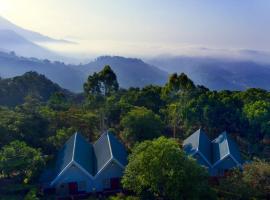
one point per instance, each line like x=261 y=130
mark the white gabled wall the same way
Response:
x=112 y=170
x=74 y=174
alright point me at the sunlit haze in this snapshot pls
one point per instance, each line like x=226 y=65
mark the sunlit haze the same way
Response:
x=146 y=27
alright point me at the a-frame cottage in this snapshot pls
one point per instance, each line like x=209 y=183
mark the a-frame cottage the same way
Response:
x=218 y=156
x=82 y=167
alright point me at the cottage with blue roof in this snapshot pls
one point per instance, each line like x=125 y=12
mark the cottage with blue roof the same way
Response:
x=218 y=155
x=82 y=167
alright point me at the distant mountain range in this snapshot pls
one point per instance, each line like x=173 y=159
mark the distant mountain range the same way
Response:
x=214 y=73
x=130 y=72
x=218 y=73
x=11 y=41
x=25 y=42
x=27 y=34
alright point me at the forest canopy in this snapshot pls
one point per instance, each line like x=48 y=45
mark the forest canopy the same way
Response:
x=37 y=117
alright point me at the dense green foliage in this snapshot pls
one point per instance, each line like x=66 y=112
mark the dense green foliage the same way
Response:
x=36 y=124
x=19 y=160
x=102 y=83
x=252 y=183
x=159 y=168
x=14 y=90
x=141 y=124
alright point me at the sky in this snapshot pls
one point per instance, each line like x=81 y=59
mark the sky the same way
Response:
x=146 y=27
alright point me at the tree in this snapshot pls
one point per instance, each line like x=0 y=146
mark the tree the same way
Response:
x=159 y=168
x=61 y=136
x=150 y=97
x=58 y=101
x=103 y=83
x=173 y=114
x=252 y=183
x=141 y=124
x=80 y=119
x=20 y=160
x=109 y=82
x=31 y=195
x=258 y=114
x=178 y=84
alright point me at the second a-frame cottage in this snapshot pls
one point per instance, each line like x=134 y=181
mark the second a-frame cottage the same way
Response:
x=218 y=156
x=82 y=167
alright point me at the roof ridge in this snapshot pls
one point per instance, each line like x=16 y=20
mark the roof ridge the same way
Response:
x=74 y=146
x=106 y=132
x=227 y=141
x=199 y=137
x=110 y=147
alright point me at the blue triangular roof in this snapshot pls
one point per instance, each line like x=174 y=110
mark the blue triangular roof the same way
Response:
x=198 y=142
x=91 y=157
x=213 y=151
x=118 y=150
x=84 y=154
x=65 y=155
x=223 y=146
x=108 y=147
x=102 y=151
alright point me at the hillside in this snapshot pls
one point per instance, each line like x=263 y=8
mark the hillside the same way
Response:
x=14 y=90
x=29 y=35
x=218 y=74
x=12 y=41
x=12 y=65
x=131 y=72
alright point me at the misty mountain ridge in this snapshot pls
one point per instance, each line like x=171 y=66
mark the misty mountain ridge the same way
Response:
x=27 y=34
x=214 y=73
x=11 y=41
x=218 y=73
x=27 y=43
x=130 y=72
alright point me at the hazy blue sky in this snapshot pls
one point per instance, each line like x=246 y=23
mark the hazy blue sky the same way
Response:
x=138 y=27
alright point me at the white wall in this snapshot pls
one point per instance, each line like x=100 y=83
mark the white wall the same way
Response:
x=74 y=174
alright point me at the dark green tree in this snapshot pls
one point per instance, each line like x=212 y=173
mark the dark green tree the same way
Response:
x=160 y=169
x=58 y=101
x=109 y=82
x=103 y=83
x=177 y=84
x=258 y=115
x=251 y=183
x=140 y=124
x=20 y=160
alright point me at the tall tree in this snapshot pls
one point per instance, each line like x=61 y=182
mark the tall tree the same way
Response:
x=109 y=82
x=178 y=84
x=103 y=83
